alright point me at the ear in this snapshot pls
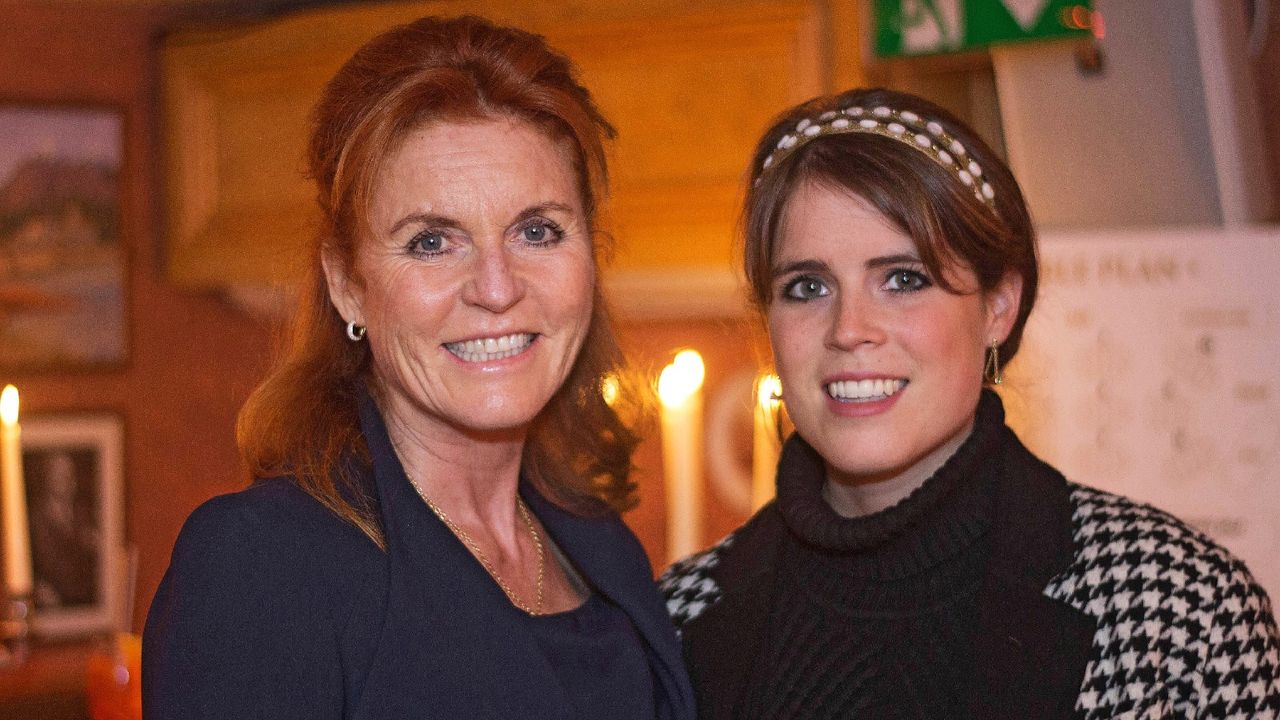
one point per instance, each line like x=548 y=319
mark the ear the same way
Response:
x=344 y=291
x=1002 y=304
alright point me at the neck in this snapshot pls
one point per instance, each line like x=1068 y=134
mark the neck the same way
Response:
x=472 y=475
x=856 y=496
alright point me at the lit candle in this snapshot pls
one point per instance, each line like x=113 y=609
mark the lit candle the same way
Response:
x=17 y=541
x=765 y=445
x=610 y=388
x=680 y=391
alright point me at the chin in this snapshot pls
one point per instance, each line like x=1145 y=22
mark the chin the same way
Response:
x=864 y=454
x=861 y=468
x=503 y=419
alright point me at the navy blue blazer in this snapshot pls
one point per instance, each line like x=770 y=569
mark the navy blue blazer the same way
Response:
x=273 y=607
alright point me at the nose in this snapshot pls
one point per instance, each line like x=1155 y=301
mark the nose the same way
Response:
x=855 y=321
x=494 y=284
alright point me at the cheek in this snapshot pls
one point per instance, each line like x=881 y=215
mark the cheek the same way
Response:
x=571 y=286
x=795 y=329
x=407 y=298
x=952 y=337
x=780 y=338
x=794 y=337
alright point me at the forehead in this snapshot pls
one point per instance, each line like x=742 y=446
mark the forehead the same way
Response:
x=818 y=219
x=461 y=163
x=494 y=142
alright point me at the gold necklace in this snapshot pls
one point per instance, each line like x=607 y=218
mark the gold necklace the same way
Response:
x=484 y=561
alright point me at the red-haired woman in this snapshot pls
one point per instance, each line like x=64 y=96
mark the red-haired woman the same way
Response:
x=432 y=534
x=919 y=562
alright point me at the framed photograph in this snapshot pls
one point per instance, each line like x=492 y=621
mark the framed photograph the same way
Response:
x=62 y=262
x=73 y=468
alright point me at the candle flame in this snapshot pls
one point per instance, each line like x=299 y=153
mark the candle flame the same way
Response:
x=768 y=391
x=681 y=378
x=609 y=389
x=9 y=405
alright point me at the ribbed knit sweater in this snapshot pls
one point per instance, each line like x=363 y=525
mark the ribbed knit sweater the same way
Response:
x=877 y=614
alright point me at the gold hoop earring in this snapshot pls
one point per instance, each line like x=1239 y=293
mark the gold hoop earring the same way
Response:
x=991 y=373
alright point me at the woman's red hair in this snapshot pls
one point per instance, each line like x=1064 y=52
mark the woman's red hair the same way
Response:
x=302 y=421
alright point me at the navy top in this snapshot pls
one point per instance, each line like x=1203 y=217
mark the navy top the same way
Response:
x=596 y=655
x=273 y=607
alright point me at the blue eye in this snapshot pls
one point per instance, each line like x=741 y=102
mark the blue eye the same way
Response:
x=904 y=280
x=541 y=232
x=805 y=288
x=428 y=242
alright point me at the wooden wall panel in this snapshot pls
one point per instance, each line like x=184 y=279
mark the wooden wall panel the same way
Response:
x=689 y=86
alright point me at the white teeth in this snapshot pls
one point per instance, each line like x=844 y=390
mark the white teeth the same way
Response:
x=490 y=349
x=877 y=389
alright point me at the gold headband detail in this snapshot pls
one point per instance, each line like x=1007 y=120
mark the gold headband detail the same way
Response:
x=908 y=128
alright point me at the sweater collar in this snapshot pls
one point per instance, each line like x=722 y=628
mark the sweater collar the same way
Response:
x=802 y=474
x=1031 y=650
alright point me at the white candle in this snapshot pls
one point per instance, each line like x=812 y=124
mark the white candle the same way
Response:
x=765 y=445
x=680 y=391
x=17 y=540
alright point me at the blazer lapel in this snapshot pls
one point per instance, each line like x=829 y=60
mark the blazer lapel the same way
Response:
x=1032 y=651
x=440 y=656
x=722 y=643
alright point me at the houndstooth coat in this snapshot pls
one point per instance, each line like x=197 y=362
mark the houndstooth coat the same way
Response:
x=1094 y=607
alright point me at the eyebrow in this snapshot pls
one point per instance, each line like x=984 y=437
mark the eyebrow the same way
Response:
x=811 y=266
x=428 y=219
x=542 y=209
x=816 y=266
x=903 y=258
x=444 y=221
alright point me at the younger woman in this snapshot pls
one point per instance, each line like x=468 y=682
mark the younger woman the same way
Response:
x=919 y=562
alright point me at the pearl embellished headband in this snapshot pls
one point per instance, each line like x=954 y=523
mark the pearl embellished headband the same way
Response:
x=908 y=128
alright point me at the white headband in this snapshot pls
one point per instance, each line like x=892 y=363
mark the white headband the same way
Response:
x=908 y=128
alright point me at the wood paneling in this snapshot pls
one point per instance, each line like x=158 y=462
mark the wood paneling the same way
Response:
x=689 y=86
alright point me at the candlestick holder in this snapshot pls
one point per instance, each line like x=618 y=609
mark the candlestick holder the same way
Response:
x=15 y=630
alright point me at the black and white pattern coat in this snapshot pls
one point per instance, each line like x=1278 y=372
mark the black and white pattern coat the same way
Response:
x=1094 y=607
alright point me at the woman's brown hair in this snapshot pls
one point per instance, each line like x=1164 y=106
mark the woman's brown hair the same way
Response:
x=302 y=421
x=926 y=201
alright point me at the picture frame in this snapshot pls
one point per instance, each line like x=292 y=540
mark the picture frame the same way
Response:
x=73 y=470
x=63 y=262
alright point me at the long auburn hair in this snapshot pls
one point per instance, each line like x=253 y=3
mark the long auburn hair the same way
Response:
x=303 y=421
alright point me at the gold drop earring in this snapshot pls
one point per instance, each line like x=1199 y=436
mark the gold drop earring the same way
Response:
x=991 y=373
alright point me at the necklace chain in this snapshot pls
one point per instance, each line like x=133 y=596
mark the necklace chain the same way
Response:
x=474 y=547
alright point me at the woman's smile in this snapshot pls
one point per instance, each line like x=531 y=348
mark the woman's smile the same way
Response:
x=864 y=390
x=491 y=349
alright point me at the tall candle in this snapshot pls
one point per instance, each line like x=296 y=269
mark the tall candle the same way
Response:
x=765 y=446
x=680 y=391
x=17 y=540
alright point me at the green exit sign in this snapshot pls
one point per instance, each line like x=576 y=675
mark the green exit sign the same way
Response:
x=926 y=27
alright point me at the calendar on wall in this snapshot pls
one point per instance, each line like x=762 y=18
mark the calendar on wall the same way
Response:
x=1151 y=368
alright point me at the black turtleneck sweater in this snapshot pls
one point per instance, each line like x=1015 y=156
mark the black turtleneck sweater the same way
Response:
x=874 y=616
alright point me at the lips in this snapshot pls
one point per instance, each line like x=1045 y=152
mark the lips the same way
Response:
x=479 y=350
x=865 y=390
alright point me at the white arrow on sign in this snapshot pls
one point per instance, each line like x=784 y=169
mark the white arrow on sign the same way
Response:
x=931 y=25
x=1026 y=12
